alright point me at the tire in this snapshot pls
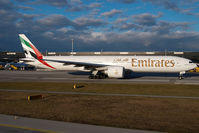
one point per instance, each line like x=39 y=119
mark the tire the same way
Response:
x=91 y=77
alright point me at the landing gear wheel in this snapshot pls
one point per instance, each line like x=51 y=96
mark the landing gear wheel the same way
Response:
x=99 y=76
x=180 y=78
x=91 y=77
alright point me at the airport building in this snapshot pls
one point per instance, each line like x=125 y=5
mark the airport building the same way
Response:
x=14 y=56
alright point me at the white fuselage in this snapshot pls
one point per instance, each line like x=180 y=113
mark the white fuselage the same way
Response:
x=133 y=63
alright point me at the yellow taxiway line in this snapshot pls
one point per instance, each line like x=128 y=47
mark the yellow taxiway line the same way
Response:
x=27 y=128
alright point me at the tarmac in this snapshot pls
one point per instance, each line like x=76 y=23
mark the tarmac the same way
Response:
x=78 y=77
x=16 y=124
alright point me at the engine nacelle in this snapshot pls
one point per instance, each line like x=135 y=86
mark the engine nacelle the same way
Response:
x=115 y=72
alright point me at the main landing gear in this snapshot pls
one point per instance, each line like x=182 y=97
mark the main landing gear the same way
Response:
x=101 y=76
x=181 y=75
x=97 y=75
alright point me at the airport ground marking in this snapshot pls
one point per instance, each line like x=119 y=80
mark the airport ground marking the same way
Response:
x=28 y=128
x=101 y=94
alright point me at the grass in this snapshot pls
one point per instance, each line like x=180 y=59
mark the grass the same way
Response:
x=158 y=114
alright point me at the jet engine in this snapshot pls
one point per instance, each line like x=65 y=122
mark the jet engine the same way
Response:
x=115 y=72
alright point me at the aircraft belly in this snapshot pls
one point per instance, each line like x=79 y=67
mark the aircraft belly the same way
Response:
x=154 y=69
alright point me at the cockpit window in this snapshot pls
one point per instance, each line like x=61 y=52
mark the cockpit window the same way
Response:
x=190 y=62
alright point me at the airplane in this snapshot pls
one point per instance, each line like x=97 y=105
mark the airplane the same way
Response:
x=105 y=66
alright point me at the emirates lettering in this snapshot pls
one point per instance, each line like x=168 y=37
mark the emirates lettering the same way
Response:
x=152 y=63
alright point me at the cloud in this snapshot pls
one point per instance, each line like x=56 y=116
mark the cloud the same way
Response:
x=32 y=16
x=8 y=14
x=78 y=5
x=57 y=3
x=137 y=22
x=140 y=41
x=21 y=0
x=48 y=34
x=6 y=4
x=55 y=21
x=111 y=13
x=63 y=30
x=91 y=31
x=118 y=39
x=27 y=22
x=25 y=8
x=149 y=23
x=164 y=27
x=177 y=6
x=8 y=29
x=121 y=20
x=123 y=1
x=146 y=19
x=167 y=4
x=94 y=5
x=129 y=26
x=89 y=22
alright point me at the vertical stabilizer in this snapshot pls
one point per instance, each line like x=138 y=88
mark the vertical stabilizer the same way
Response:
x=30 y=50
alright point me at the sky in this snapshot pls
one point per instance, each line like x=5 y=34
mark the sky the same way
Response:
x=101 y=25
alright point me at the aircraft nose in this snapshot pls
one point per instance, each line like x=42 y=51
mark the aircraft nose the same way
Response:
x=196 y=65
x=193 y=65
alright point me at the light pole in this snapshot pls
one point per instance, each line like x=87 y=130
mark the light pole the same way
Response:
x=72 y=46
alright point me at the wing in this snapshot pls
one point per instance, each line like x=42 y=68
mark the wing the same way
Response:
x=89 y=66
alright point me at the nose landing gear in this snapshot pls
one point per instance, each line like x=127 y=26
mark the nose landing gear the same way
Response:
x=181 y=75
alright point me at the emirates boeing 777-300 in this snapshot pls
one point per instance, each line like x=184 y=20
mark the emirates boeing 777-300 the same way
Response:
x=105 y=66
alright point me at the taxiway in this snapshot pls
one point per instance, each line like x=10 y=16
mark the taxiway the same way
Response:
x=63 y=76
x=30 y=125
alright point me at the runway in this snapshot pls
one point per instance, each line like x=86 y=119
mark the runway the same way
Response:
x=10 y=124
x=63 y=76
